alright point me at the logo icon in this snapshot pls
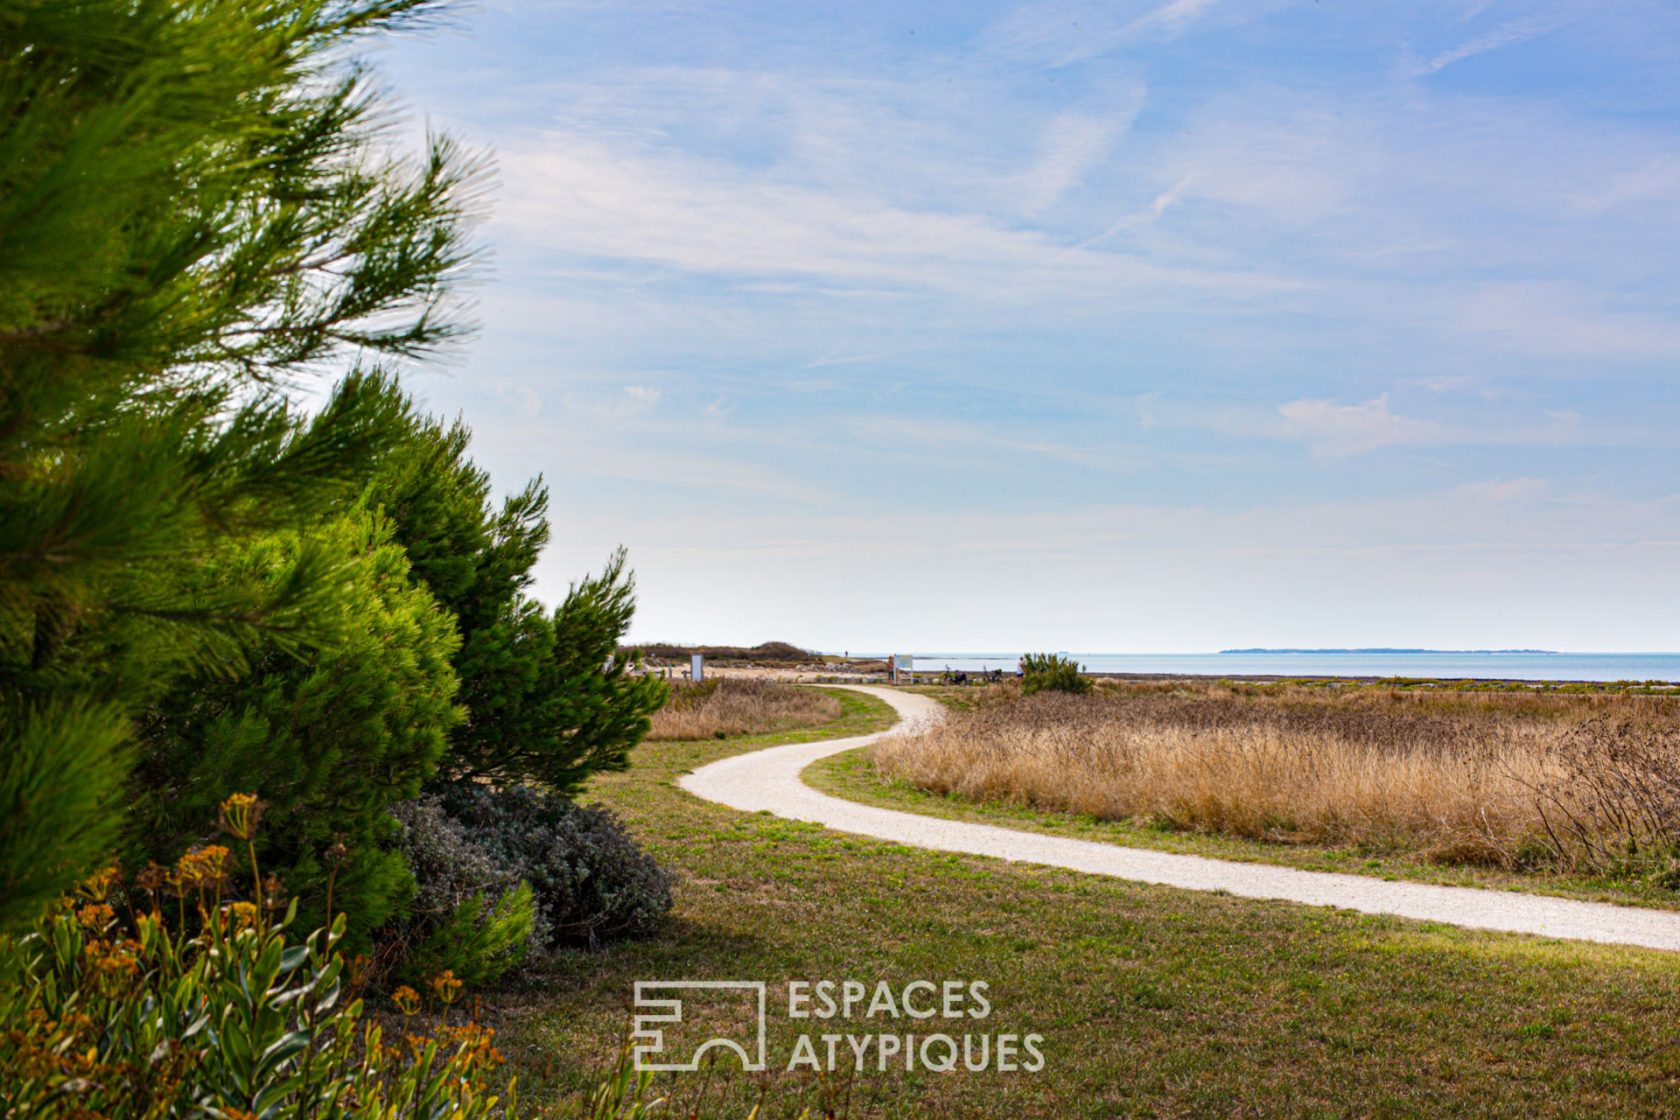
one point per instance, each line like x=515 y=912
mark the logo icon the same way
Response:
x=649 y=1054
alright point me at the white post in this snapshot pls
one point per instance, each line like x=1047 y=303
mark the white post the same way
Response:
x=697 y=667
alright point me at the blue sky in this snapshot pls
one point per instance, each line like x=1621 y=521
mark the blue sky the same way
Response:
x=1166 y=325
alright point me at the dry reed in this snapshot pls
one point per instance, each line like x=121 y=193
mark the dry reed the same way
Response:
x=1508 y=780
x=726 y=706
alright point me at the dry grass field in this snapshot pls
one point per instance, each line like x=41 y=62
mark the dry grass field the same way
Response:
x=727 y=706
x=1585 y=782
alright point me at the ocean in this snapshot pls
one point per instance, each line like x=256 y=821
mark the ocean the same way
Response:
x=1520 y=666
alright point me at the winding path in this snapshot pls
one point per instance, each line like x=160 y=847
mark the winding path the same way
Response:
x=768 y=780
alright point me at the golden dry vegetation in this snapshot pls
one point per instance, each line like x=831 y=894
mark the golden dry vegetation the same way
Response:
x=726 y=706
x=1505 y=779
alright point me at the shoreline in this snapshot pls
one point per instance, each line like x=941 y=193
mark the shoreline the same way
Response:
x=841 y=674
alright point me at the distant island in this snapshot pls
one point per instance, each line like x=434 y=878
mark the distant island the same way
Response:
x=1387 y=649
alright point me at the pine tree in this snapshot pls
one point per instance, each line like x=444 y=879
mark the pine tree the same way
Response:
x=330 y=742
x=547 y=698
x=196 y=216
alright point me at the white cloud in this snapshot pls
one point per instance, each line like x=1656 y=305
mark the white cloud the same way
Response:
x=1177 y=13
x=1071 y=144
x=1331 y=429
x=1368 y=212
x=1347 y=429
x=1556 y=320
x=580 y=197
x=520 y=396
x=956 y=446
x=1278 y=157
x=1499 y=38
x=1158 y=206
x=1657 y=180
x=849 y=359
x=1061 y=32
x=637 y=399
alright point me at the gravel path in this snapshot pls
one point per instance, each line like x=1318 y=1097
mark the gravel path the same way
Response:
x=768 y=780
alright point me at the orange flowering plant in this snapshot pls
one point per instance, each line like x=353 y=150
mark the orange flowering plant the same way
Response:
x=216 y=1010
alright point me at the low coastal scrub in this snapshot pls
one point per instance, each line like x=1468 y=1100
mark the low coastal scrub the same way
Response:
x=1510 y=780
x=506 y=875
x=726 y=706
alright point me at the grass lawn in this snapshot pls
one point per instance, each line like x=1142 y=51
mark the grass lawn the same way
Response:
x=1151 y=1001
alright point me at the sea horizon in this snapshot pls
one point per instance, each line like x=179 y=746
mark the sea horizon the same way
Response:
x=1531 y=665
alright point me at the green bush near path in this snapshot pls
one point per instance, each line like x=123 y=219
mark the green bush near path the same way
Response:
x=1051 y=672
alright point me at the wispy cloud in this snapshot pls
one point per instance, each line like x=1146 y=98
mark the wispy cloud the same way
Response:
x=1061 y=32
x=848 y=359
x=1158 y=206
x=1507 y=35
x=1071 y=144
x=1332 y=429
x=584 y=198
x=1347 y=429
x=1655 y=181
x=637 y=399
x=962 y=447
x=1565 y=320
x=1174 y=15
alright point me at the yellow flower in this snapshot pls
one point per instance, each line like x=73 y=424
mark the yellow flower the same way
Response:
x=201 y=868
x=240 y=814
x=244 y=914
x=446 y=986
x=97 y=887
x=112 y=962
x=475 y=1045
x=406 y=999
x=96 y=915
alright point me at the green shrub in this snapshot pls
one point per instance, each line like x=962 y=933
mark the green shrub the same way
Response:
x=471 y=914
x=589 y=879
x=478 y=941
x=330 y=742
x=1050 y=672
